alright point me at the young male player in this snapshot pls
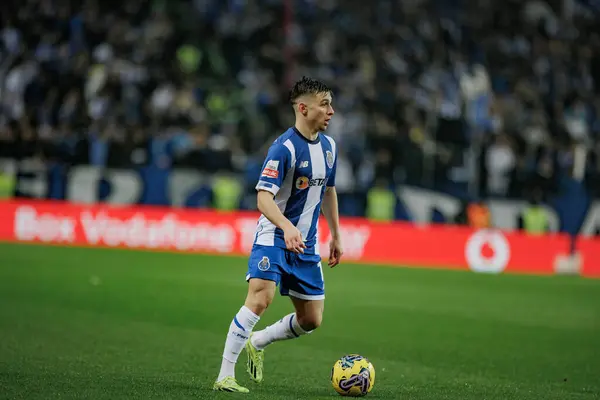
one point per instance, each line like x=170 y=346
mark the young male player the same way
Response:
x=296 y=183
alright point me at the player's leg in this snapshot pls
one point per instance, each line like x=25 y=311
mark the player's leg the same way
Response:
x=309 y=313
x=261 y=290
x=305 y=286
x=306 y=318
x=260 y=295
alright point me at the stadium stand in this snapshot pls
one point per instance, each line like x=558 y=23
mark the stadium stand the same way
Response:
x=478 y=99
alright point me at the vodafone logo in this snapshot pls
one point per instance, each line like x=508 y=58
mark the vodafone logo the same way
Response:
x=487 y=251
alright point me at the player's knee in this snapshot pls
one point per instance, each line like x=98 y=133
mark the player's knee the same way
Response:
x=260 y=295
x=258 y=302
x=310 y=322
x=258 y=306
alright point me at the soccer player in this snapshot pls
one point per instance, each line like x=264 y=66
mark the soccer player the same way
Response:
x=296 y=183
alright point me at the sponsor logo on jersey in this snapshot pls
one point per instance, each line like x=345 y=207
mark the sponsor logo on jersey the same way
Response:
x=270 y=170
x=303 y=182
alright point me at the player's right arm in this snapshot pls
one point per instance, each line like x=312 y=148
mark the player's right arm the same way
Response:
x=293 y=237
x=277 y=164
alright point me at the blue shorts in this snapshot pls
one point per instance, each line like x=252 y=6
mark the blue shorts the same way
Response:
x=298 y=275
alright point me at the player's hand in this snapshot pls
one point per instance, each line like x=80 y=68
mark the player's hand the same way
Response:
x=335 y=252
x=293 y=239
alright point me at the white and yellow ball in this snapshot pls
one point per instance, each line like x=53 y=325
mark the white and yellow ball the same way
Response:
x=353 y=375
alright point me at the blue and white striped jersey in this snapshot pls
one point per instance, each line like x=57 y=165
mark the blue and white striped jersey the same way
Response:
x=297 y=171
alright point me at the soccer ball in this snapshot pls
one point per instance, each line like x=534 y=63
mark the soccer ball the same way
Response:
x=353 y=375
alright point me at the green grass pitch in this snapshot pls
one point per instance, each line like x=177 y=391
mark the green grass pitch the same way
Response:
x=111 y=324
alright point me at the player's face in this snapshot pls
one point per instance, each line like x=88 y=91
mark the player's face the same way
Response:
x=320 y=111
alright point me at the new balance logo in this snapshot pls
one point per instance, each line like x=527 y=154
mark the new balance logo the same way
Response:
x=304 y=164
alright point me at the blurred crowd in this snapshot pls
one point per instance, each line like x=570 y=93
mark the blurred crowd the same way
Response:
x=494 y=97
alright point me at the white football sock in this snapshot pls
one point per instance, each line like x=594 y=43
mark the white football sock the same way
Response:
x=286 y=328
x=238 y=334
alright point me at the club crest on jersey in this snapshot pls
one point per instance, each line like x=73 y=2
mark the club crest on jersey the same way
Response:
x=329 y=158
x=264 y=264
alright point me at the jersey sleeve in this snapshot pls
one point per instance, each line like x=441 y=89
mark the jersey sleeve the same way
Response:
x=274 y=169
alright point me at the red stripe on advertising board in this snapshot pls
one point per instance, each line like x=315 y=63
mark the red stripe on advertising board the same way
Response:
x=589 y=248
x=186 y=230
x=464 y=248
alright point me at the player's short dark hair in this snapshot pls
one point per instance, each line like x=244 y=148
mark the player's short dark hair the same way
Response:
x=307 y=85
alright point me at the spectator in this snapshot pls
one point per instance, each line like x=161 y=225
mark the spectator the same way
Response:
x=423 y=89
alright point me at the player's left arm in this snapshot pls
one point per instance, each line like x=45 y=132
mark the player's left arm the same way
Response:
x=331 y=213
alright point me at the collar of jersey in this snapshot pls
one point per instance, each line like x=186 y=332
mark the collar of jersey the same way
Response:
x=317 y=140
